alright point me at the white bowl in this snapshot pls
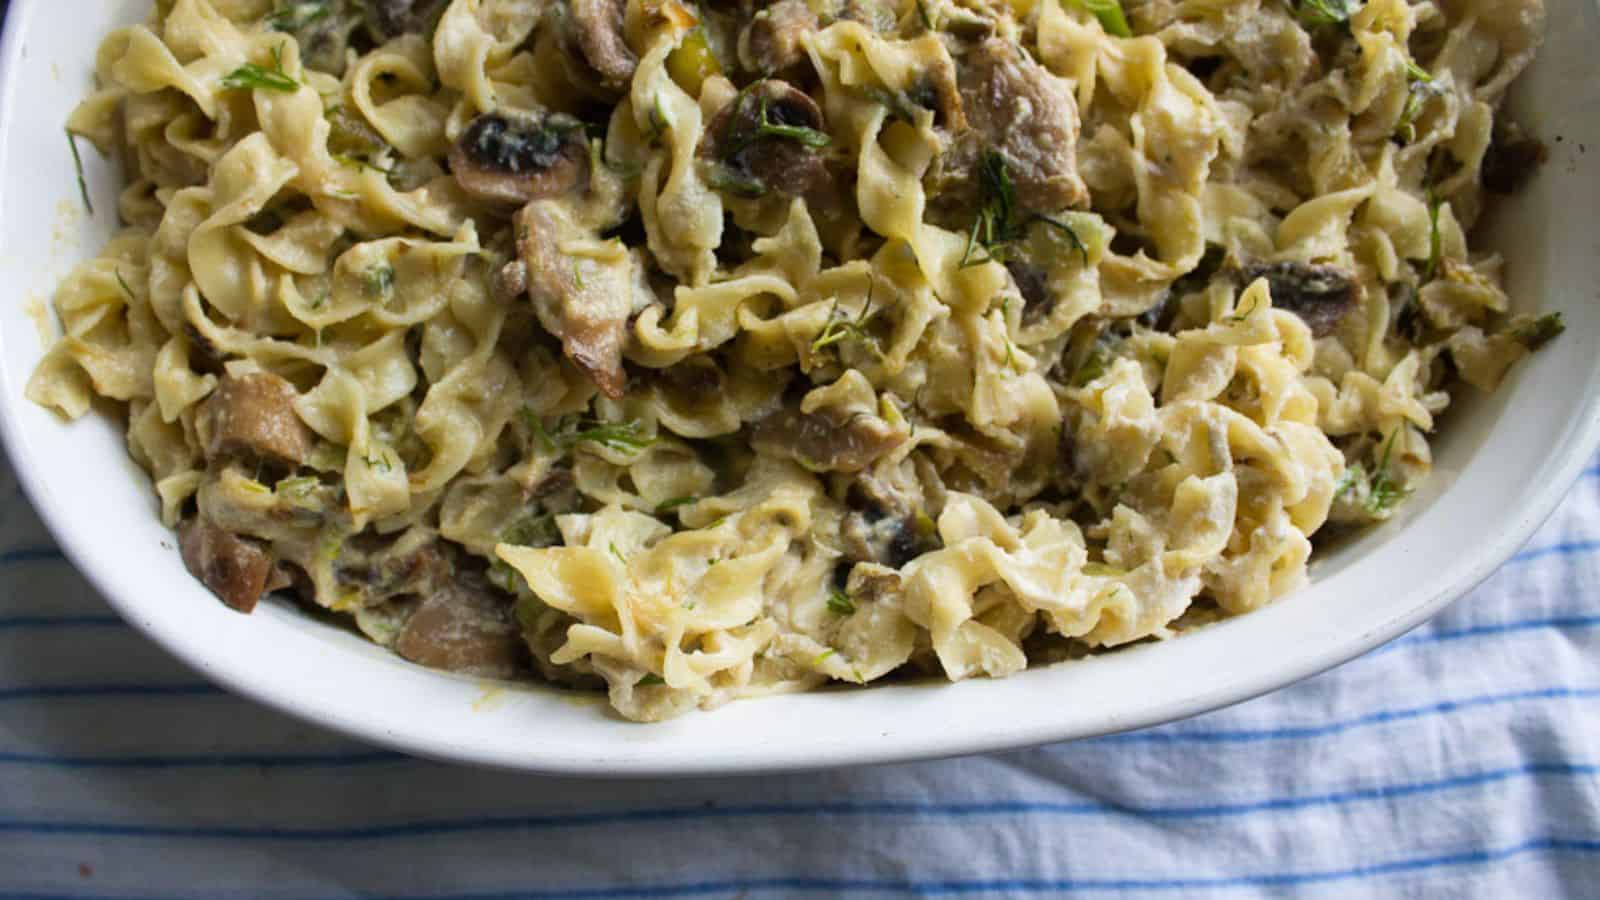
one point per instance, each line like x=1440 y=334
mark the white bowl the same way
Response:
x=1503 y=462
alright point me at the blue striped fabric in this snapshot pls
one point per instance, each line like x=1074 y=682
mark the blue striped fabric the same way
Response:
x=1462 y=760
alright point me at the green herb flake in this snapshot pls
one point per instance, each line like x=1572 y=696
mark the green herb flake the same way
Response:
x=623 y=437
x=123 y=283
x=1109 y=14
x=298 y=487
x=667 y=506
x=1538 y=332
x=618 y=553
x=253 y=77
x=378 y=280
x=840 y=604
x=379 y=463
x=77 y=165
x=1321 y=13
x=820 y=657
x=1435 y=239
x=651 y=680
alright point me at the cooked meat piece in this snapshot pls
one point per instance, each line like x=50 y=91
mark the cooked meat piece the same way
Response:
x=768 y=138
x=238 y=570
x=581 y=300
x=1512 y=159
x=1017 y=108
x=1321 y=295
x=596 y=29
x=392 y=18
x=465 y=626
x=515 y=158
x=770 y=43
x=254 y=414
x=826 y=440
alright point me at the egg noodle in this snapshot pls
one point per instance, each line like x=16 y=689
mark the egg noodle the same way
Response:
x=700 y=351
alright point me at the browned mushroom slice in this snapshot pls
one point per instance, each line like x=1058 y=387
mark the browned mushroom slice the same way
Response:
x=254 y=414
x=771 y=42
x=768 y=138
x=466 y=627
x=515 y=158
x=826 y=440
x=596 y=28
x=583 y=301
x=1320 y=295
x=1020 y=110
x=391 y=18
x=238 y=570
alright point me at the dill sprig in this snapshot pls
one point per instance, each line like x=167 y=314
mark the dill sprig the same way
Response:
x=840 y=327
x=840 y=604
x=766 y=128
x=1420 y=86
x=77 y=165
x=1384 y=492
x=997 y=225
x=252 y=76
x=623 y=437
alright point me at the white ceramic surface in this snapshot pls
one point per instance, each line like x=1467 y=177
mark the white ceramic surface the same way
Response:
x=1504 y=461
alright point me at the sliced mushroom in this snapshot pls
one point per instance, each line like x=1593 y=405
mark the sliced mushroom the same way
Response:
x=518 y=157
x=595 y=27
x=768 y=138
x=826 y=440
x=585 y=301
x=1321 y=295
x=321 y=29
x=1019 y=109
x=464 y=626
x=238 y=570
x=1512 y=160
x=389 y=19
x=772 y=41
x=254 y=414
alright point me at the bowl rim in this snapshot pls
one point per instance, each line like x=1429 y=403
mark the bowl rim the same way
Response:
x=1566 y=465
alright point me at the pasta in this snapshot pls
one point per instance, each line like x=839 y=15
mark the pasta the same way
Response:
x=696 y=351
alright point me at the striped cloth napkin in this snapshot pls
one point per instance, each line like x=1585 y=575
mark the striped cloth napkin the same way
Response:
x=1462 y=760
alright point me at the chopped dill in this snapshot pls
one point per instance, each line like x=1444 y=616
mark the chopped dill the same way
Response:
x=624 y=437
x=253 y=77
x=1538 y=332
x=1319 y=13
x=667 y=506
x=77 y=165
x=997 y=225
x=295 y=16
x=379 y=280
x=618 y=553
x=124 y=284
x=379 y=463
x=1383 y=491
x=840 y=328
x=1109 y=14
x=840 y=604
x=650 y=680
x=1435 y=239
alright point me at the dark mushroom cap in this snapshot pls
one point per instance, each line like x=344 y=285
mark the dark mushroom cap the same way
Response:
x=392 y=18
x=751 y=141
x=1320 y=295
x=518 y=158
